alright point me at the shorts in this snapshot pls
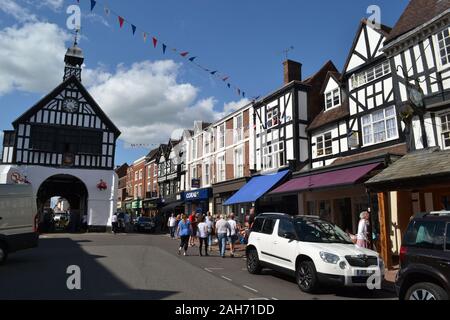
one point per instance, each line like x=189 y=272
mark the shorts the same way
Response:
x=232 y=239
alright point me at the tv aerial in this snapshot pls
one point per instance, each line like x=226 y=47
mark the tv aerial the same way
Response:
x=287 y=50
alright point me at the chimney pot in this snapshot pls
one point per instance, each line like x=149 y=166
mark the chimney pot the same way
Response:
x=292 y=71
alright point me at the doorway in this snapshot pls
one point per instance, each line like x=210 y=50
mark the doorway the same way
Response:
x=72 y=195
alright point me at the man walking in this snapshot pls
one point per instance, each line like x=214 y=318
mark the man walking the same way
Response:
x=210 y=225
x=114 y=222
x=232 y=233
x=222 y=229
x=172 y=223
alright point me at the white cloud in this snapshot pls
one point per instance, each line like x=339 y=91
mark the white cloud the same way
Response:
x=52 y=4
x=31 y=57
x=18 y=12
x=147 y=102
x=234 y=105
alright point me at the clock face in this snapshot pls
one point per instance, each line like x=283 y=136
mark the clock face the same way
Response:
x=70 y=105
x=416 y=97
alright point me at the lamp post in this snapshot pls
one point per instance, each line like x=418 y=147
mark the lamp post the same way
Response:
x=415 y=106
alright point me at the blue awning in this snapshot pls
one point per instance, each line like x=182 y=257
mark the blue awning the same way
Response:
x=256 y=188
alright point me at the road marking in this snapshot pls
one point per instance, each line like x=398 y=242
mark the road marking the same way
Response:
x=249 y=288
x=274 y=298
x=228 y=279
x=259 y=299
x=208 y=270
x=211 y=270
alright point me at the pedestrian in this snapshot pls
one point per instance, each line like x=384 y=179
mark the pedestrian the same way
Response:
x=210 y=224
x=193 y=221
x=222 y=228
x=114 y=222
x=184 y=231
x=203 y=235
x=127 y=220
x=232 y=233
x=363 y=230
x=172 y=223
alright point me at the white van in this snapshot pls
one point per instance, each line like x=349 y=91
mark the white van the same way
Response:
x=17 y=212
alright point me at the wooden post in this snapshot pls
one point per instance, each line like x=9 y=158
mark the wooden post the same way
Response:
x=385 y=234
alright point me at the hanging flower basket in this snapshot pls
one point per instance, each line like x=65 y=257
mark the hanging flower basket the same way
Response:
x=102 y=185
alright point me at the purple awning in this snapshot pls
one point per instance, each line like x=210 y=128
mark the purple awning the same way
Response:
x=340 y=177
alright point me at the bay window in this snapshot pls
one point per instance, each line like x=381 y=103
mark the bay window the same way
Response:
x=324 y=144
x=445 y=122
x=443 y=40
x=379 y=126
x=332 y=99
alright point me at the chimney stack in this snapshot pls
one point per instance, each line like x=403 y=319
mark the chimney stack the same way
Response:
x=292 y=71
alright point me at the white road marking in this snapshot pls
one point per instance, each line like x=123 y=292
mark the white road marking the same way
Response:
x=259 y=299
x=208 y=270
x=228 y=279
x=274 y=298
x=211 y=270
x=249 y=288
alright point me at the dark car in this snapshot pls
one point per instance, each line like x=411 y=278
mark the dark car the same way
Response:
x=425 y=258
x=145 y=224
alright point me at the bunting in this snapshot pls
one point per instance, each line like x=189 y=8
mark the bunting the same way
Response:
x=185 y=54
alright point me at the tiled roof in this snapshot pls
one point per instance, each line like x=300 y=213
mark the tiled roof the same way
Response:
x=330 y=116
x=399 y=149
x=423 y=164
x=417 y=13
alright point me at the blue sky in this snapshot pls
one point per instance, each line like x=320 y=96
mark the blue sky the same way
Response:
x=148 y=94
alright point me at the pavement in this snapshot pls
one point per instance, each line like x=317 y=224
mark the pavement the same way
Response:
x=135 y=266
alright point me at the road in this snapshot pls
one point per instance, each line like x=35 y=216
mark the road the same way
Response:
x=138 y=267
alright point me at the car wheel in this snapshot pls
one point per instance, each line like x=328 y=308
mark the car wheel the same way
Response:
x=253 y=264
x=306 y=276
x=3 y=253
x=426 y=291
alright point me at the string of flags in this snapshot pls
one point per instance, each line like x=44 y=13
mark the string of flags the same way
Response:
x=157 y=42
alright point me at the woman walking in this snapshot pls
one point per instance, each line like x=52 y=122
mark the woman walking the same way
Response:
x=363 y=230
x=184 y=231
x=203 y=235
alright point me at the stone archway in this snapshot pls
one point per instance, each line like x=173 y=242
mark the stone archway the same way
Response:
x=73 y=190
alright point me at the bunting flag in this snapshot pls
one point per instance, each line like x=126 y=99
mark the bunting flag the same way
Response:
x=121 y=21
x=216 y=73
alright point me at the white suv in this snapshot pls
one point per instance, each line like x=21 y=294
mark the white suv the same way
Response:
x=317 y=252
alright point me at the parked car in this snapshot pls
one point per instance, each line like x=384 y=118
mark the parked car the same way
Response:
x=145 y=224
x=17 y=219
x=425 y=258
x=315 y=251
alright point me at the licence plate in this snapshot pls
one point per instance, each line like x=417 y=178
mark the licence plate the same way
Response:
x=364 y=273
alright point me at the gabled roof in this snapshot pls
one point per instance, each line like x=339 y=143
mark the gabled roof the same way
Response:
x=152 y=154
x=49 y=97
x=331 y=74
x=327 y=117
x=384 y=31
x=417 y=12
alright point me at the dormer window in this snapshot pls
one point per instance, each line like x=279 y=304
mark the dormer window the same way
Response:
x=332 y=99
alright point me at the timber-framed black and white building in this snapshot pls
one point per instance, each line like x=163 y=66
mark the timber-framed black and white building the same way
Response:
x=65 y=146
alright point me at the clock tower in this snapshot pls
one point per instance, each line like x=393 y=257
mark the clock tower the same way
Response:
x=74 y=60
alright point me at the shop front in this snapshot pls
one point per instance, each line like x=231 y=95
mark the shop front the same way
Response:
x=136 y=208
x=252 y=193
x=417 y=183
x=172 y=204
x=336 y=194
x=198 y=201
x=225 y=190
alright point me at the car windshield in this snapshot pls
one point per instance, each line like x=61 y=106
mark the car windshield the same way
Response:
x=312 y=230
